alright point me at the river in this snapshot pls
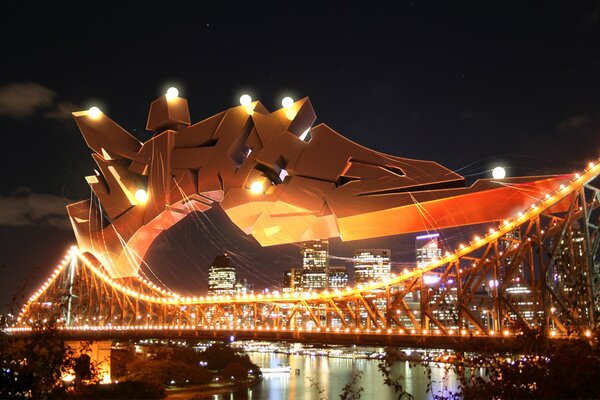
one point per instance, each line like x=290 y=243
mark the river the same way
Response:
x=330 y=375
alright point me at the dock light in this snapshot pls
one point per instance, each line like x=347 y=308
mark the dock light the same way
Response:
x=94 y=113
x=141 y=196
x=172 y=93
x=245 y=100
x=287 y=102
x=256 y=187
x=498 y=173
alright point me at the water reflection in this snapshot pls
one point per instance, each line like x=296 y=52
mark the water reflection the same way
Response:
x=330 y=375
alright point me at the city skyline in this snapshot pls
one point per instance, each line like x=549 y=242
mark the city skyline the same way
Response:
x=196 y=196
x=506 y=96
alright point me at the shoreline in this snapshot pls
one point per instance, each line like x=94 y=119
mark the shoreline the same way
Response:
x=207 y=390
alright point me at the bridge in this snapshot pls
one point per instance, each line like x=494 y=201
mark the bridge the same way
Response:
x=465 y=295
x=536 y=270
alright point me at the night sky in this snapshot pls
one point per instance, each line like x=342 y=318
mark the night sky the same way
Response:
x=471 y=87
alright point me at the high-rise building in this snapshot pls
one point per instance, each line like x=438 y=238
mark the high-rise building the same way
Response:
x=315 y=271
x=516 y=290
x=427 y=249
x=570 y=269
x=243 y=287
x=221 y=276
x=444 y=309
x=292 y=280
x=371 y=265
x=338 y=277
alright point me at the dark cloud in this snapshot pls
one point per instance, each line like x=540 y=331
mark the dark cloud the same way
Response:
x=21 y=100
x=26 y=208
x=574 y=122
x=18 y=100
x=62 y=111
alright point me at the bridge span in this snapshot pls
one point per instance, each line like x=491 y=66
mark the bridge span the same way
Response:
x=535 y=272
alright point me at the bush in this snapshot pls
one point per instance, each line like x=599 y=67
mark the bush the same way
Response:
x=218 y=356
x=235 y=370
x=166 y=371
x=122 y=390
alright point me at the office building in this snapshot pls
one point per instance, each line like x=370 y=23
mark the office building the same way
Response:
x=315 y=271
x=338 y=277
x=427 y=249
x=371 y=265
x=292 y=280
x=221 y=276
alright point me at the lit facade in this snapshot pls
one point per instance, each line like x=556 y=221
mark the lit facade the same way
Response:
x=371 y=265
x=445 y=310
x=516 y=288
x=243 y=287
x=570 y=270
x=315 y=268
x=427 y=249
x=221 y=276
x=338 y=277
x=292 y=280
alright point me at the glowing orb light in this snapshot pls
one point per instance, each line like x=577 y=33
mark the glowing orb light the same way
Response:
x=94 y=113
x=499 y=173
x=245 y=100
x=172 y=93
x=287 y=102
x=256 y=187
x=141 y=196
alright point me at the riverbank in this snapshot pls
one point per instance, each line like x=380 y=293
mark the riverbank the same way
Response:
x=209 y=390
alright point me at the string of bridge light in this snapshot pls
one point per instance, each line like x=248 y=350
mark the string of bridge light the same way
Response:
x=171 y=298
x=48 y=281
x=536 y=208
x=344 y=331
x=589 y=173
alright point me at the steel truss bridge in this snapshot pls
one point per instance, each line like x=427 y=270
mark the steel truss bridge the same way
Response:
x=538 y=271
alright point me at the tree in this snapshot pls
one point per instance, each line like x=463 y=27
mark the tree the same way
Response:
x=167 y=372
x=536 y=368
x=236 y=371
x=34 y=367
x=219 y=355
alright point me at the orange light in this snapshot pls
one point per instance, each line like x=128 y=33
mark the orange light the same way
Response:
x=94 y=113
x=256 y=187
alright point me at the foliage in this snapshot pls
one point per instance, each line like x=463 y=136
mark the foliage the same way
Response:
x=167 y=372
x=536 y=368
x=351 y=391
x=385 y=367
x=34 y=367
x=540 y=369
x=182 y=365
x=220 y=355
x=122 y=390
x=320 y=390
x=235 y=370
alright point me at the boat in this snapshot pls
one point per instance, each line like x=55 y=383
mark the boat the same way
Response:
x=280 y=369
